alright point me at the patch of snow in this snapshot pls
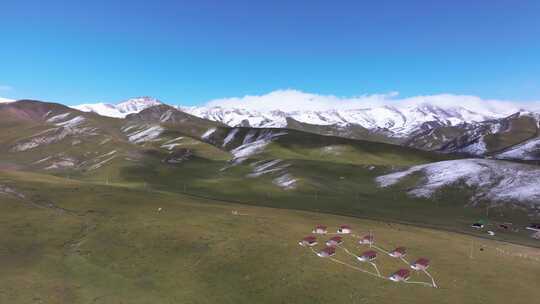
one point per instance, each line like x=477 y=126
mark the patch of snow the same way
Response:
x=529 y=150
x=107 y=154
x=207 y=134
x=58 y=117
x=101 y=163
x=106 y=140
x=145 y=135
x=51 y=136
x=254 y=142
x=170 y=146
x=476 y=148
x=76 y=121
x=493 y=180
x=127 y=128
x=249 y=149
x=61 y=164
x=286 y=181
x=173 y=140
x=42 y=160
x=230 y=136
x=266 y=167
x=165 y=116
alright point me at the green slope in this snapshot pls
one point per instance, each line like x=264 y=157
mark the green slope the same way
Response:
x=284 y=168
x=73 y=242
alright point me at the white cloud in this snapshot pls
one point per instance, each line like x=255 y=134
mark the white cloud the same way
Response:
x=293 y=100
x=2 y=100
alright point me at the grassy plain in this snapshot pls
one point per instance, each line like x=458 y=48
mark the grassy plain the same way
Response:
x=68 y=241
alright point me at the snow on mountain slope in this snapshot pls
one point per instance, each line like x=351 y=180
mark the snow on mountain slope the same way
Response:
x=239 y=117
x=529 y=150
x=254 y=142
x=493 y=180
x=65 y=126
x=143 y=133
x=401 y=121
x=121 y=110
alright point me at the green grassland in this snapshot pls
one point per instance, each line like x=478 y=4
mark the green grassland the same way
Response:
x=79 y=242
x=342 y=189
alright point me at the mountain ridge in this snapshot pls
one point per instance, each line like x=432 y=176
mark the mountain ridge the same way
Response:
x=121 y=109
x=398 y=121
x=425 y=126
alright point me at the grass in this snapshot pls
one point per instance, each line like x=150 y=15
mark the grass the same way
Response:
x=109 y=244
x=342 y=189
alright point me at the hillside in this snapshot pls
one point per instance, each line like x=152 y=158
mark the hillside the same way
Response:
x=67 y=241
x=169 y=150
x=488 y=138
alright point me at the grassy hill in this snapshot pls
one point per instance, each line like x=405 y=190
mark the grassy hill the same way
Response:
x=165 y=149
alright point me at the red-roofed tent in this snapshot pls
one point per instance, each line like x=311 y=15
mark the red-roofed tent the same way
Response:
x=344 y=229
x=368 y=256
x=400 y=275
x=420 y=264
x=336 y=240
x=327 y=252
x=398 y=252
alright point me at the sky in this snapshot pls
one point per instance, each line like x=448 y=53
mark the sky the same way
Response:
x=197 y=52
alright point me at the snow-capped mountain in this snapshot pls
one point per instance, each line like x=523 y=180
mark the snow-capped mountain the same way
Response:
x=423 y=125
x=400 y=121
x=397 y=121
x=122 y=109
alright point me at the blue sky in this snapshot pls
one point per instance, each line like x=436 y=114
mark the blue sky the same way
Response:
x=189 y=52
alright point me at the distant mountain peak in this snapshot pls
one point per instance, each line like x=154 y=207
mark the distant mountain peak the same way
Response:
x=137 y=104
x=145 y=100
x=122 y=109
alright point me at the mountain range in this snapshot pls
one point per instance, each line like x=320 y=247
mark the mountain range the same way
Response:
x=446 y=129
